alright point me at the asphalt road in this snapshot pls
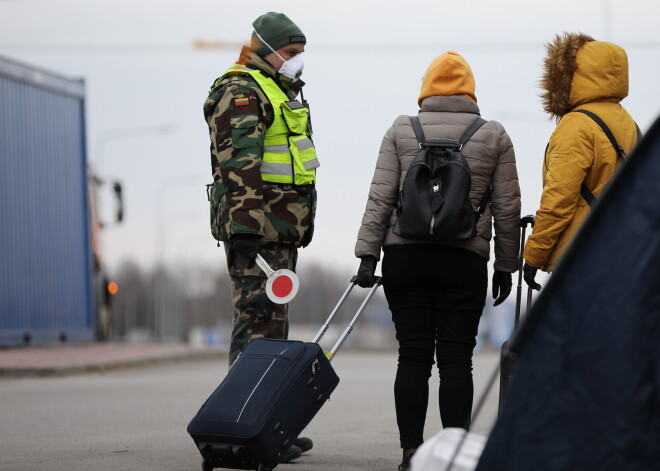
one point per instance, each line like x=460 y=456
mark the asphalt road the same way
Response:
x=135 y=419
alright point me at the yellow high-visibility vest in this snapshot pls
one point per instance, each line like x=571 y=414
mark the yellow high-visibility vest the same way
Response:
x=289 y=153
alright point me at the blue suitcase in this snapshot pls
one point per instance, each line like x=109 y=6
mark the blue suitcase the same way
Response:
x=271 y=393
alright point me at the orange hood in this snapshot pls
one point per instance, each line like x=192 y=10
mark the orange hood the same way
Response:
x=448 y=74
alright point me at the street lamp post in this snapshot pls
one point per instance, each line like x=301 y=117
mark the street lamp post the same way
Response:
x=163 y=313
x=99 y=156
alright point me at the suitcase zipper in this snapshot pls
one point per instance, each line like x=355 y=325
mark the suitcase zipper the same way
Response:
x=255 y=388
x=291 y=361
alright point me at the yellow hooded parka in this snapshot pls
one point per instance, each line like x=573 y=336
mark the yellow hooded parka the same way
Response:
x=580 y=73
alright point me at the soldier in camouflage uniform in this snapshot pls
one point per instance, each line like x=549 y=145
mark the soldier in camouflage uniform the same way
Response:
x=263 y=196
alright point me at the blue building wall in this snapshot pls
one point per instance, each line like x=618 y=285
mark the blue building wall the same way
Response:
x=45 y=255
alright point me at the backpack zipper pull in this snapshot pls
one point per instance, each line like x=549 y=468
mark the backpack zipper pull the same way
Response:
x=436 y=190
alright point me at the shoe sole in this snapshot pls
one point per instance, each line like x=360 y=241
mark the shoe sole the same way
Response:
x=292 y=455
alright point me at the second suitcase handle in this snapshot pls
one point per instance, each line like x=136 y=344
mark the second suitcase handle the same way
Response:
x=524 y=222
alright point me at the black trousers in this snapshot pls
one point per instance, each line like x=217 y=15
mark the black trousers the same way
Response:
x=436 y=294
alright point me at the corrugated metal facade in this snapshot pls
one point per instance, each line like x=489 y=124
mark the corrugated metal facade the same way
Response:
x=45 y=258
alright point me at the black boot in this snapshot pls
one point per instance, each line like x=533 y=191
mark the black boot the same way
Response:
x=304 y=443
x=407 y=456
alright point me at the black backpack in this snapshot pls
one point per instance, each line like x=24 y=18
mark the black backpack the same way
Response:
x=434 y=199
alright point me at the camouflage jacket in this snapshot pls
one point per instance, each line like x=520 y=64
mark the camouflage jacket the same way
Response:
x=241 y=203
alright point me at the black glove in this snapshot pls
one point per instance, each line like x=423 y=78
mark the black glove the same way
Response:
x=502 y=286
x=529 y=273
x=247 y=245
x=365 y=274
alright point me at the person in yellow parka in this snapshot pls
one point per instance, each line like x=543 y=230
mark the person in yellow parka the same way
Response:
x=587 y=75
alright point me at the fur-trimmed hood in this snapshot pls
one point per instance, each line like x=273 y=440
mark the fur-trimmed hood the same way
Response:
x=579 y=70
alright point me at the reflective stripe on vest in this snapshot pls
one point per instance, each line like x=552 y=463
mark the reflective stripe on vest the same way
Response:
x=289 y=153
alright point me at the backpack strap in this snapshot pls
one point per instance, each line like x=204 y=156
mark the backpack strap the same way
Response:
x=476 y=124
x=485 y=199
x=620 y=152
x=419 y=132
x=417 y=127
x=587 y=195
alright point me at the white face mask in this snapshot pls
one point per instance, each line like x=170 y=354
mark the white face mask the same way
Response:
x=291 y=68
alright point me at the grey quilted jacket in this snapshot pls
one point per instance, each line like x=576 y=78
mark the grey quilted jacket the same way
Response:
x=491 y=158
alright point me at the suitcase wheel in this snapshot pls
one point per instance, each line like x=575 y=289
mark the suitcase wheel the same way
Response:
x=207 y=465
x=263 y=467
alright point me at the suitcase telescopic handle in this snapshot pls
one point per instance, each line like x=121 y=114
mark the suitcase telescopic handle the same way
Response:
x=378 y=281
x=325 y=325
x=524 y=222
x=527 y=220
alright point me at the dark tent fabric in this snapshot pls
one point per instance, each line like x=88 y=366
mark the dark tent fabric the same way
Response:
x=586 y=392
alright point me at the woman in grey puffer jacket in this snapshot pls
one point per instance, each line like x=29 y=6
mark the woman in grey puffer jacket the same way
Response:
x=437 y=291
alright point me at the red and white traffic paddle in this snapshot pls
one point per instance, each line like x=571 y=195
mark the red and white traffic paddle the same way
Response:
x=282 y=285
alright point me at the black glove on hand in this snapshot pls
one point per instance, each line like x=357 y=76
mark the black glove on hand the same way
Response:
x=529 y=273
x=365 y=274
x=247 y=245
x=502 y=286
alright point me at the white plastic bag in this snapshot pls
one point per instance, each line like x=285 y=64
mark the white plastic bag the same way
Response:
x=436 y=453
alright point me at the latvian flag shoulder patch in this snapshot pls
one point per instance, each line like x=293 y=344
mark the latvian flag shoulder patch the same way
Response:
x=241 y=101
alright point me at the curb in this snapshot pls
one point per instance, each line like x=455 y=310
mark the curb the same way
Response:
x=101 y=365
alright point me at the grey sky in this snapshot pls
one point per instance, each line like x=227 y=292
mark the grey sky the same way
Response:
x=363 y=67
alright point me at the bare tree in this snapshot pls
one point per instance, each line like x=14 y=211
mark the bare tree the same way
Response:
x=168 y=305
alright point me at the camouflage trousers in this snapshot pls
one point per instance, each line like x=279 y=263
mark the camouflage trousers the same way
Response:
x=256 y=316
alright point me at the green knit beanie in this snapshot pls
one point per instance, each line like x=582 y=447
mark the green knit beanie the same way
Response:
x=277 y=30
